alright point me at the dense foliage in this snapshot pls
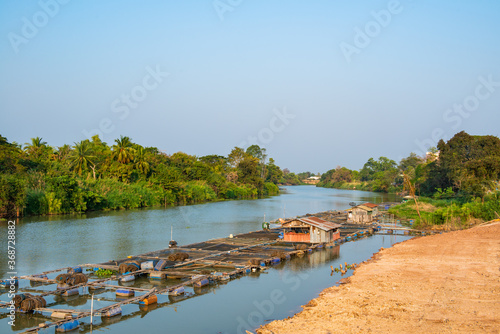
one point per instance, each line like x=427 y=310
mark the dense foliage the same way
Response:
x=90 y=175
x=464 y=168
x=460 y=180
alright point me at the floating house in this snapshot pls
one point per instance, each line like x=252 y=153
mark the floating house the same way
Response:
x=310 y=229
x=364 y=213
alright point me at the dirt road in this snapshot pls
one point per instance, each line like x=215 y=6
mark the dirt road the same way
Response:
x=445 y=283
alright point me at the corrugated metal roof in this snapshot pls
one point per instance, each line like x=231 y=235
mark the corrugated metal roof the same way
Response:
x=319 y=223
x=363 y=207
x=370 y=205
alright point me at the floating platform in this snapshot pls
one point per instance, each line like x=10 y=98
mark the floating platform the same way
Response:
x=172 y=270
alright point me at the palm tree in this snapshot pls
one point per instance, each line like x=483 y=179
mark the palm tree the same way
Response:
x=36 y=147
x=82 y=158
x=123 y=150
x=140 y=161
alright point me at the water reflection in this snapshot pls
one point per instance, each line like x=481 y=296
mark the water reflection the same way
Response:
x=61 y=241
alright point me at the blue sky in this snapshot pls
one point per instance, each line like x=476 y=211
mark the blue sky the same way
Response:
x=318 y=83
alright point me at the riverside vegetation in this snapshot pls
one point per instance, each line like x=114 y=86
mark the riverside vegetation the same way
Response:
x=458 y=182
x=91 y=175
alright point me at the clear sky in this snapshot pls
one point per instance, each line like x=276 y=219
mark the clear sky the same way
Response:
x=318 y=83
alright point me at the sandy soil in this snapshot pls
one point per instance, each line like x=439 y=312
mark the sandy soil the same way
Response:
x=445 y=283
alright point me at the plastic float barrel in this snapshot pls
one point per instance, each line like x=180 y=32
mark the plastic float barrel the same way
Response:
x=275 y=260
x=124 y=292
x=112 y=312
x=247 y=270
x=348 y=238
x=160 y=265
x=75 y=270
x=177 y=291
x=149 y=300
x=262 y=263
x=201 y=283
x=68 y=326
x=147 y=265
x=127 y=278
x=8 y=282
x=157 y=275
x=70 y=292
x=309 y=250
x=320 y=246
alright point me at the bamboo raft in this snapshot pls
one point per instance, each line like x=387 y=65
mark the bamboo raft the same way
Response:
x=209 y=262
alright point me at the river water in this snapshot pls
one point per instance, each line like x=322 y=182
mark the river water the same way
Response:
x=45 y=243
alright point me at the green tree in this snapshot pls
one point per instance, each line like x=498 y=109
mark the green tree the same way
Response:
x=82 y=157
x=140 y=161
x=236 y=156
x=123 y=150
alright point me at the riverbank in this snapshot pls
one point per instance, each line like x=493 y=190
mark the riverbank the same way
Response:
x=440 y=283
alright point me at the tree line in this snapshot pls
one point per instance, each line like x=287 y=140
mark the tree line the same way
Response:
x=90 y=175
x=465 y=167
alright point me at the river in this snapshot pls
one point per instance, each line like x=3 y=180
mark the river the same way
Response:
x=45 y=243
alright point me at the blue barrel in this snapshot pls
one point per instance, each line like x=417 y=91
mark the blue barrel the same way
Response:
x=262 y=264
x=147 y=265
x=177 y=291
x=112 y=312
x=275 y=261
x=8 y=282
x=124 y=292
x=75 y=270
x=160 y=265
x=201 y=283
x=71 y=292
x=127 y=278
x=68 y=326
x=281 y=235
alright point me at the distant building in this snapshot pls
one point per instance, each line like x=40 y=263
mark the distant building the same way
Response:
x=312 y=180
x=310 y=229
x=363 y=213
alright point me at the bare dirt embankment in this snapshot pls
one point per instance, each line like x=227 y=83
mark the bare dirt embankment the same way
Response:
x=445 y=283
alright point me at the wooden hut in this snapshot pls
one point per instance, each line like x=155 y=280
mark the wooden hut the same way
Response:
x=364 y=213
x=310 y=229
